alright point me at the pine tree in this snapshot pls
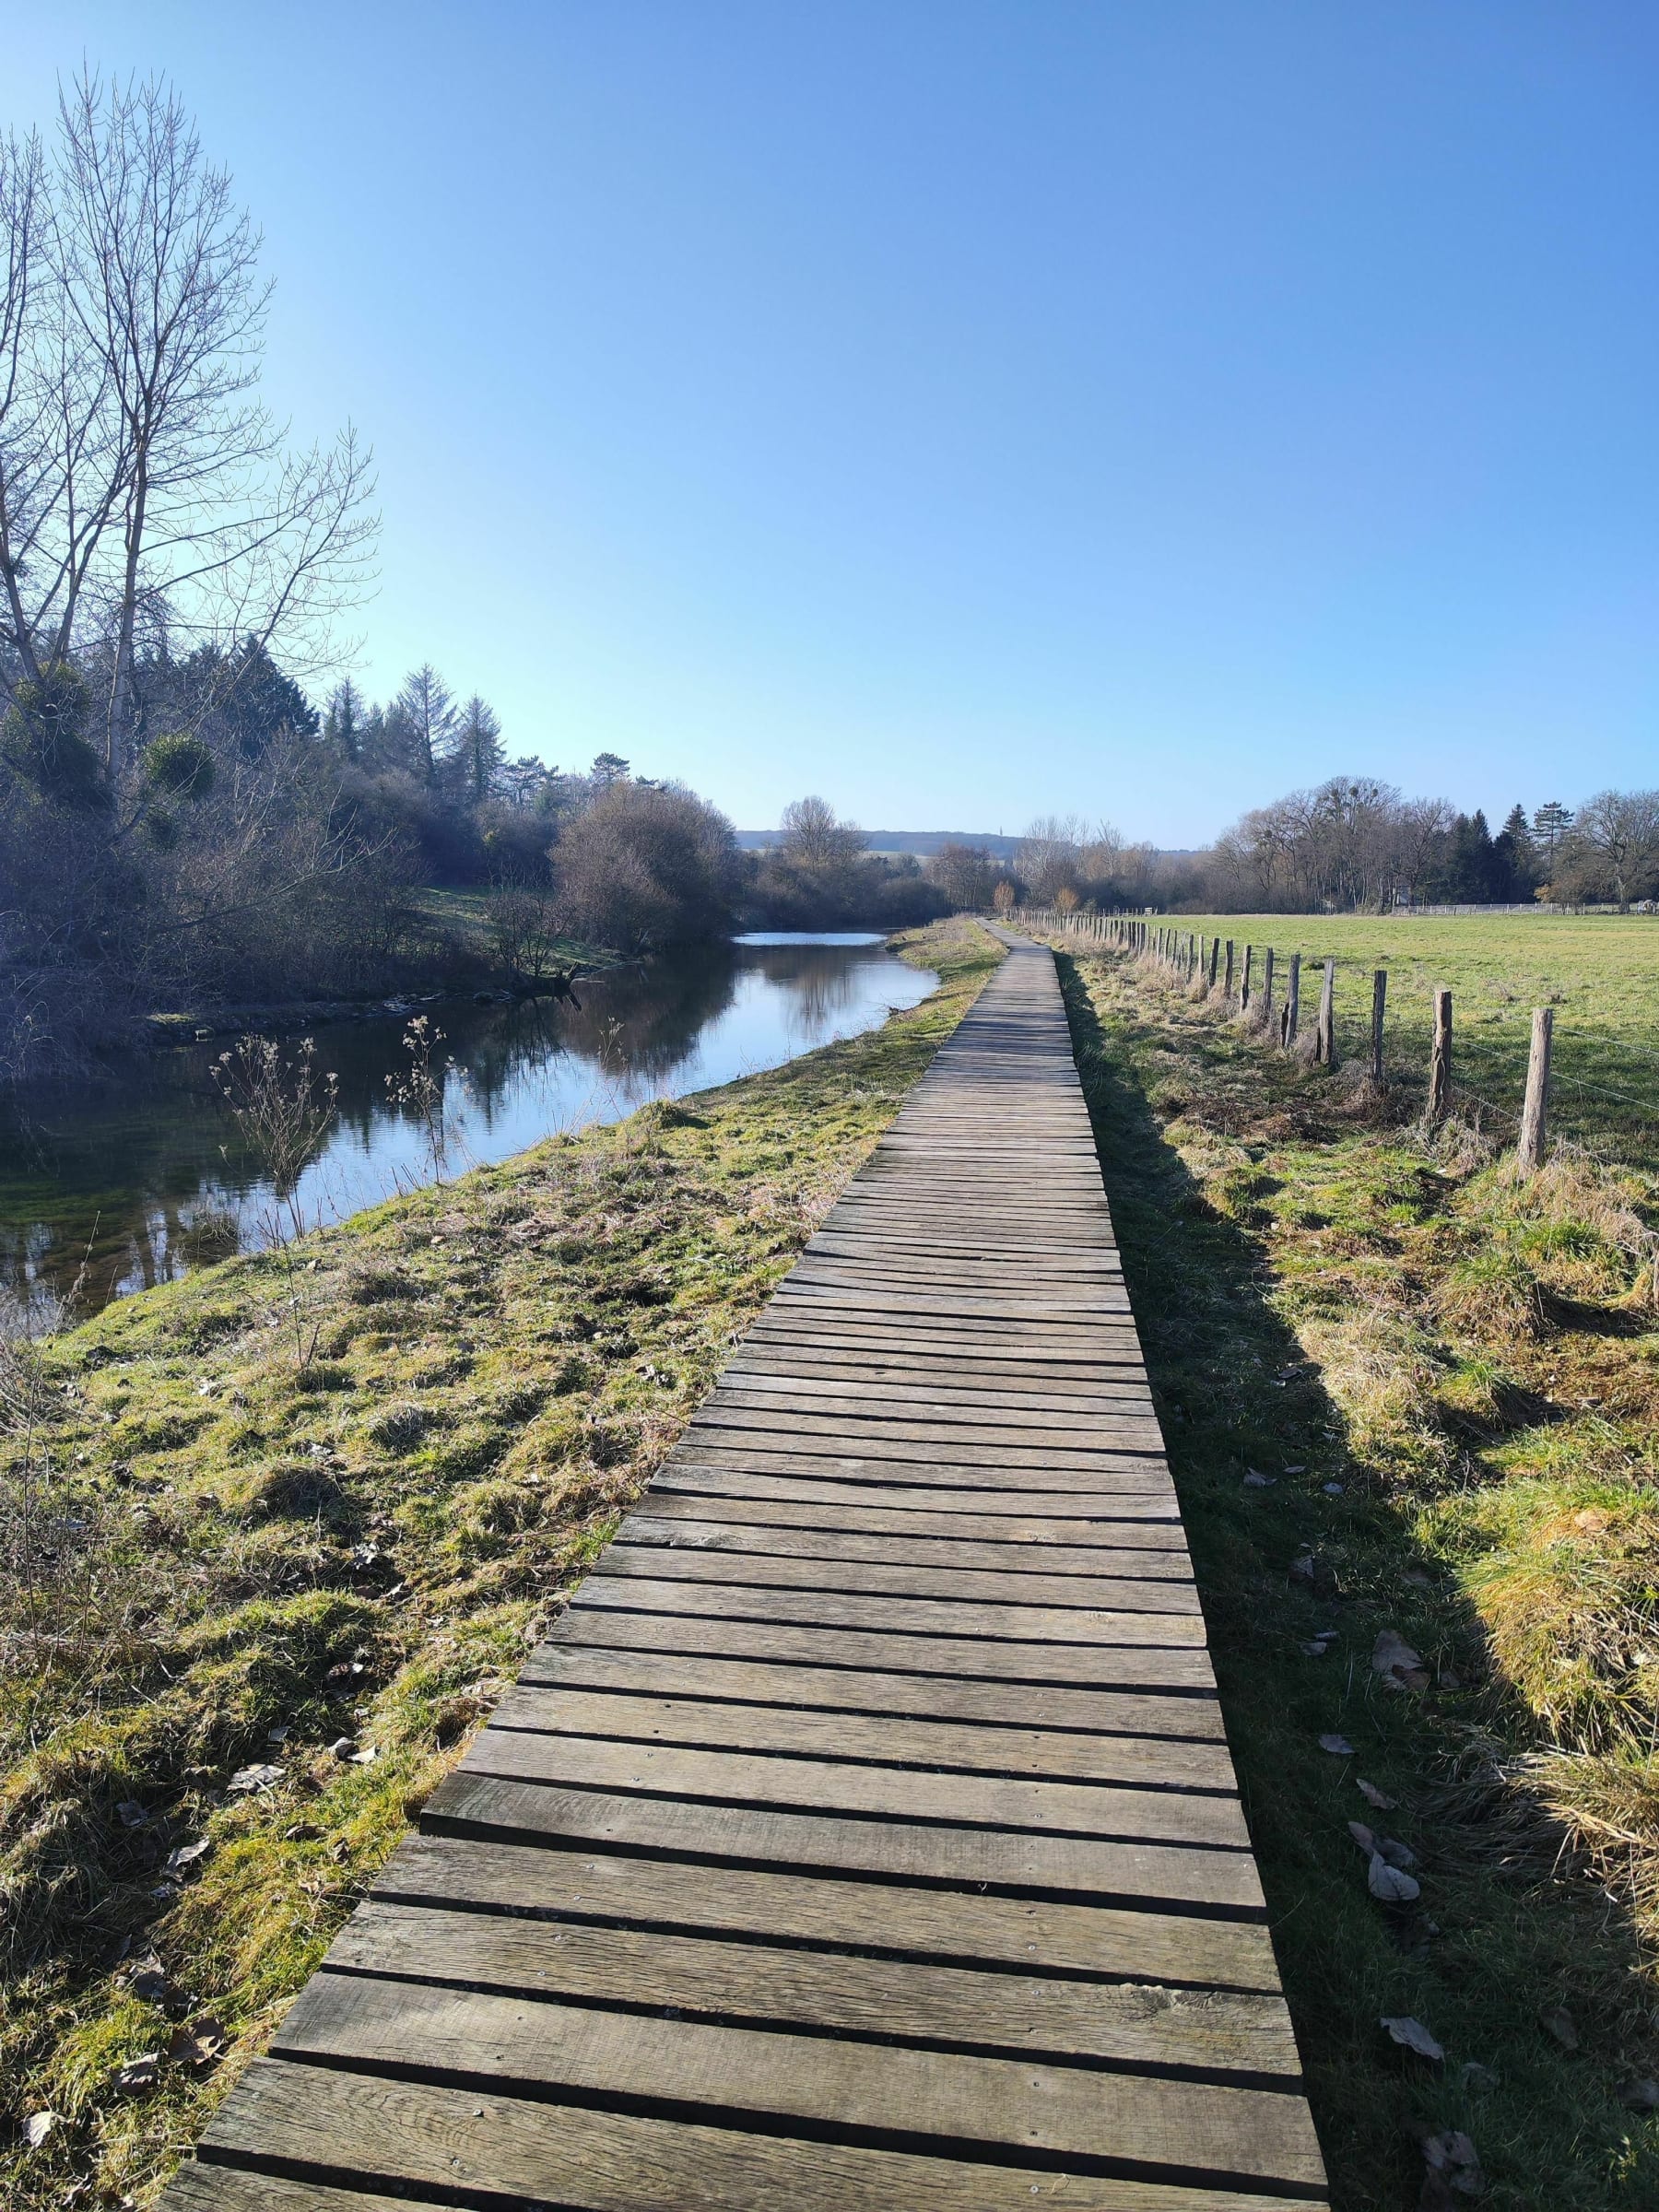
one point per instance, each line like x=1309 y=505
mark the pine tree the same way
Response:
x=1516 y=856
x=342 y=721
x=1550 y=824
x=426 y=714
x=475 y=750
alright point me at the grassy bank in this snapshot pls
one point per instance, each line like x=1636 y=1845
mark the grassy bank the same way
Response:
x=236 y=1563
x=1450 y=1381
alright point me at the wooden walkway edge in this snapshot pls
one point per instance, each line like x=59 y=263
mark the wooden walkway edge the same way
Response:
x=865 y=1834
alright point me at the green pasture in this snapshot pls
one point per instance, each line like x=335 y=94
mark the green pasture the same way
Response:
x=1600 y=972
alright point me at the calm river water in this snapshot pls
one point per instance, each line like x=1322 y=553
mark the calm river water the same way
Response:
x=134 y=1180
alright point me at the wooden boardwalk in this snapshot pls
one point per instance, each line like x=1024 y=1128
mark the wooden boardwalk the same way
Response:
x=866 y=1833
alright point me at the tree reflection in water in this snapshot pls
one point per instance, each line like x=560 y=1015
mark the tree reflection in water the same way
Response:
x=135 y=1180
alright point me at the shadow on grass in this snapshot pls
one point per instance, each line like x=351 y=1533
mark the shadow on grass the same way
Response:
x=1499 y=1936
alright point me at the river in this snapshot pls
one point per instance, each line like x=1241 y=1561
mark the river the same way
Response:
x=132 y=1179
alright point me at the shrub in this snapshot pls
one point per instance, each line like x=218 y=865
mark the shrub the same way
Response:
x=645 y=865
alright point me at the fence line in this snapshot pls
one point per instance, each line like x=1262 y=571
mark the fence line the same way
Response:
x=1198 y=958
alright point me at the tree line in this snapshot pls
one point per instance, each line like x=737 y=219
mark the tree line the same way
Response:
x=1353 y=845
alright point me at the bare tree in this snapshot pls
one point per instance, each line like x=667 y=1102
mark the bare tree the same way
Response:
x=1050 y=854
x=147 y=495
x=966 y=874
x=814 y=838
x=1621 y=830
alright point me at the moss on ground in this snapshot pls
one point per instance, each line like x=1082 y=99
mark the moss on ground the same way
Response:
x=1450 y=1379
x=229 y=1565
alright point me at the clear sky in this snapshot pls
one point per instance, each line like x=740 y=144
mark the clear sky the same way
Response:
x=974 y=410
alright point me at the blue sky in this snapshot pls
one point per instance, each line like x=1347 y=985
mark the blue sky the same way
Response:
x=971 y=410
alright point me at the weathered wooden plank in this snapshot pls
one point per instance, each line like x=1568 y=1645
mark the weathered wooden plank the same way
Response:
x=762 y=1983
x=939 y=2096
x=1126 y=1516
x=1142 y=1593
x=687 y=1627
x=572 y=1879
x=1127 y=1475
x=427 y=2136
x=1047 y=1559
x=686 y=1501
x=812 y=1376
x=1104 y=1869
x=831 y=1786
x=643 y=1714
x=899 y=1408
x=618 y=1581
x=785 y=1681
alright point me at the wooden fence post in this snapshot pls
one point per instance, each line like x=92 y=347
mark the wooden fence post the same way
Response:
x=1440 y=1059
x=1326 y=1039
x=1244 y=992
x=1379 y=1000
x=1267 y=981
x=1215 y=960
x=1227 y=990
x=1535 y=1114
x=1292 y=1001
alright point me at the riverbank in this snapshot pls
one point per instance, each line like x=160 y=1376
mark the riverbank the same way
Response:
x=1412 y=1409
x=301 y=1524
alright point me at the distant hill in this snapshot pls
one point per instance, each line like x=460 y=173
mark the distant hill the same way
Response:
x=923 y=842
x=920 y=842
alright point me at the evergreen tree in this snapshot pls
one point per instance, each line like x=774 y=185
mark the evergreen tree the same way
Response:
x=426 y=717
x=1516 y=857
x=477 y=752
x=1474 y=861
x=256 y=700
x=342 y=721
x=1550 y=825
x=607 y=769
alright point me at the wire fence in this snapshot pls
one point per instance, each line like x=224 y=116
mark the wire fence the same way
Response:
x=1600 y=1086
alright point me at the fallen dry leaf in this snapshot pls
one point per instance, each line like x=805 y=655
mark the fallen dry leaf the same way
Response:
x=1378 y=1801
x=1392 y=1884
x=1640 y=2095
x=1338 y=1746
x=1560 y=2024
x=1383 y=1847
x=197 y=2042
x=187 y=1854
x=37 y=2128
x=146 y=1978
x=1412 y=2036
x=1453 y=2163
x=138 y=2074
x=247 y=1780
x=131 y=1814
x=1398 y=1664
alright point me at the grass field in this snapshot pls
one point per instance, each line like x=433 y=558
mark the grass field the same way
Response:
x=1599 y=971
x=1450 y=1379
x=237 y=1559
